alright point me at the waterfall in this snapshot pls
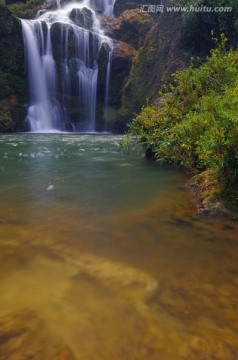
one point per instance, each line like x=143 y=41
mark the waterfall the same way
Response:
x=106 y=6
x=61 y=49
x=107 y=85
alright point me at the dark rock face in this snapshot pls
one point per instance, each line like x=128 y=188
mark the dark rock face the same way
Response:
x=13 y=79
x=160 y=57
x=6 y=122
x=11 y=54
x=122 y=58
x=121 y=61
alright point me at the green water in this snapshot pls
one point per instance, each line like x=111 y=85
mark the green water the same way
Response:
x=102 y=256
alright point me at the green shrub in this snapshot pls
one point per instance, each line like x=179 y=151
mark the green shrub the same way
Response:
x=26 y=10
x=195 y=123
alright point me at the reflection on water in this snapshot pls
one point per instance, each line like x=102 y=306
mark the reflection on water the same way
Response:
x=102 y=256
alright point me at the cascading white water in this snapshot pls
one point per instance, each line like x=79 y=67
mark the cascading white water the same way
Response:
x=62 y=48
x=106 y=6
x=107 y=85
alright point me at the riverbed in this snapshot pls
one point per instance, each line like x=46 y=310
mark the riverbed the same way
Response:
x=103 y=257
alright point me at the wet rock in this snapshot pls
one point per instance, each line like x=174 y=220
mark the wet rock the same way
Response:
x=121 y=62
x=82 y=17
x=108 y=24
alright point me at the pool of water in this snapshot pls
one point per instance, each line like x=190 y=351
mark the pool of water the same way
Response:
x=102 y=257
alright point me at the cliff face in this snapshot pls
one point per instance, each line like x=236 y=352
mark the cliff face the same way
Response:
x=13 y=87
x=159 y=57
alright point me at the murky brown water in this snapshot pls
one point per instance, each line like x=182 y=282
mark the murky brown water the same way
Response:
x=120 y=269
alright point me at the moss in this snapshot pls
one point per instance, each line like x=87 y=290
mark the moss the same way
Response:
x=13 y=79
x=12 y=71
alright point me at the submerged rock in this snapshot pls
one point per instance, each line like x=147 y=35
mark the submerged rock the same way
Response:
x=24 y=335
x=64 y=353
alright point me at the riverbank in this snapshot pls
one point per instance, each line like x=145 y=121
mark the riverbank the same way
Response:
x=208 y=197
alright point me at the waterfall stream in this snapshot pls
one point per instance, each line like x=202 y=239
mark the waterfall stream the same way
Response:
x=62 y=48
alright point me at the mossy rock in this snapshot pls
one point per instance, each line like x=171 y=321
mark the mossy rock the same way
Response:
x=6 y=122
x=211 y=200
x=132 y=27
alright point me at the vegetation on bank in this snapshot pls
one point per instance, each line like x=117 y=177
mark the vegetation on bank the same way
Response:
x=195 y=121
x=197 y=25
x=26 y=9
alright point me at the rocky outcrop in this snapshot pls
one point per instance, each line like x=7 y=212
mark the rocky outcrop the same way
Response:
x=131 y=27
x=161 y=55
x=121 y=6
